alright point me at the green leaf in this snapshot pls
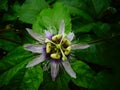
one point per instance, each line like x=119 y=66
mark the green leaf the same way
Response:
x=14 y=14
x=27 y=12
x=84 y=74
x=100 y=5
x=79 y=12
x=6 y=42
x=30 y=9
x=15 y=81
x=85 y=28
x=50 y=19
x=13 y=58
x=4 y=5
x=103 y=81
x=83 y=38
x=75 y=3
x=93 y=54
x=60 y=12
x=7 y=45
x=26 y=78
x=44 y=21
x=78 y=8
x=32 y=78
x=9 y=74
x=102 y=29
x=61 y=82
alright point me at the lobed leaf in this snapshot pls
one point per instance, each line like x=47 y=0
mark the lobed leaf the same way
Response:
x=50 y=19
x=13 y=58
x=84 y=74
x=61 y=82
x=9 y=74
x=32 y=78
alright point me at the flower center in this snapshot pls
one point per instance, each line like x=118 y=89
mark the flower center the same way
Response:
x=58 y=47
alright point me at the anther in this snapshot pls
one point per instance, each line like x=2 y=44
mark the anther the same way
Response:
x=66 y=41
x=68 y=49
x=55 y=56
x=47 y=40
x=48 y=47
x=56 y=37
x=64 y=58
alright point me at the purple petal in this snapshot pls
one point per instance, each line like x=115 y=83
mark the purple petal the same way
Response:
x=54 y=70
x=36 y=61
x=70 y=36
x=68 y=69
x=48 y=34
x=33 y=48
x=62 y=28
x=80 y=46
x=35 y=35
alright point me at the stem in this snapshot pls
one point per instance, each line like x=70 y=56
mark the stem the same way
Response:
x=103 y=39
x=63 y=36
x=47 y=40
x=11 y=40
x=63 y=55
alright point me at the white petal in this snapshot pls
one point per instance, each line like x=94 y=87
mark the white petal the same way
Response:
x=80 y=46
x=70 y=36
x=36 y=61
x=33 y=48
x=62 y=28
x=68 y=69
x=54 y=70
x=35 y=35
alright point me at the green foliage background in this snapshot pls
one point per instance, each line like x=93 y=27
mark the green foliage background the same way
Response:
x=96 y=22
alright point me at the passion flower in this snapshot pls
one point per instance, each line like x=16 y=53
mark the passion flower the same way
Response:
x=56 y=49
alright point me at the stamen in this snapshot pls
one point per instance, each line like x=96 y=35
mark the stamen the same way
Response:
x=66 y=41
x=55 y=47
x=68 y=49
x=56 y=37
x=64 y=35
x=58 y=46
x=63 y=55
x=47 y=40
x=55 y=56
x=48 y=47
